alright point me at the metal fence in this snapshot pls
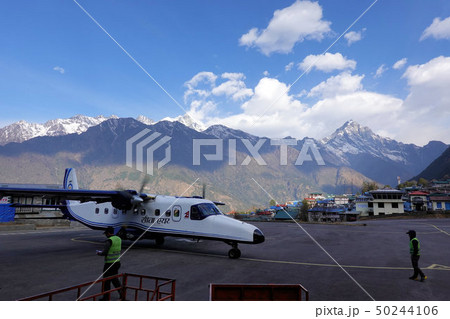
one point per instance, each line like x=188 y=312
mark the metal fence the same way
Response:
x=133 y=287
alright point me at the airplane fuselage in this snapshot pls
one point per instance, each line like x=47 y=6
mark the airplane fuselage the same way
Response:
x=167 y=216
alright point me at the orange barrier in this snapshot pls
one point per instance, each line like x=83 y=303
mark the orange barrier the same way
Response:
x=137 y=287
x=262 y=292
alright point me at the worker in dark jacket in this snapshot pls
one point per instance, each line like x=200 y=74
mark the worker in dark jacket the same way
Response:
x=414 y=250
x=111 y=251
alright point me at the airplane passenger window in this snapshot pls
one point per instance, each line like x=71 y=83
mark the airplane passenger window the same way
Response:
x=142 y=211
x=115 y=211
x=176 y=212
x=136 y=211
x=106 y=210
x=168 y=213
x=97 y=210
x=157 y=212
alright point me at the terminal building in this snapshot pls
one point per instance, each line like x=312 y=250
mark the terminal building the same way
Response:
x=380 y=202
x=386 y=202
x=37 y=215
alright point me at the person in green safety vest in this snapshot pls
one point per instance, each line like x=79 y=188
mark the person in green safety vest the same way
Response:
x=111 y=251
x=414 y=250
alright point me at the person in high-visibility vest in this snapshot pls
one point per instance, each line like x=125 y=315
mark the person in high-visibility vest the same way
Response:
x=414 y=250
x=111 y=251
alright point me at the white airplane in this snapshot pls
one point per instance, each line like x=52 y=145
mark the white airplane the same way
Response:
x=136 y=215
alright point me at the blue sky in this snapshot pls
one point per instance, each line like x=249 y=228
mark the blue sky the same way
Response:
x=232 y=62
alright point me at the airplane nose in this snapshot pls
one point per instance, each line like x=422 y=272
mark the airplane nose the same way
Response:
x=258 y=236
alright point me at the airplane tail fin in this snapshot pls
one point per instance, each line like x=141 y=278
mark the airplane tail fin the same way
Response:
x=70 y=179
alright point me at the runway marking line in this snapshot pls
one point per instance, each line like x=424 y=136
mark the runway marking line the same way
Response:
x=431 y=267
x=441 y=230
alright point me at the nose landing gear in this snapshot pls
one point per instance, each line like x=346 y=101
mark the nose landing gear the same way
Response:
x=234 y=253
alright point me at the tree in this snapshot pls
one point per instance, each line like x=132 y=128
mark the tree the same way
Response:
x=407 y=184
x=304 y=210
x=368 y=186
x=422 y=181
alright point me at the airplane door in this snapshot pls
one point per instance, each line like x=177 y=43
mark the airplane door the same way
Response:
x=176 y=213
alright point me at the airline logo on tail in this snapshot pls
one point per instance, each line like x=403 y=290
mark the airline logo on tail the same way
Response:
x=70 y=179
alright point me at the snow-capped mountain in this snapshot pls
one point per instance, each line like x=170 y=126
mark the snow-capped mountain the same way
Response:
x=351 y=145
x=187 y=121
x=23 y=130
x=145 y=120
x=380 y=158
x=351 y=155
x=352 y=139
x=223 y=132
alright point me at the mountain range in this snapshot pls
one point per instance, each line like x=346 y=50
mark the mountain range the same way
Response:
x=96 y=147
x=438 y=169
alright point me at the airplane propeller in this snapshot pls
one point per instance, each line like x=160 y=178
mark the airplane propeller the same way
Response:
x=204 y=195
x=130 y=199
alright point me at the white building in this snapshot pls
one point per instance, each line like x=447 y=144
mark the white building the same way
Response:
x=387 y=202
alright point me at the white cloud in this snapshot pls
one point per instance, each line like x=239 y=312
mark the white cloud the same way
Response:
x=207 y=79
x=270 y=111
x=327 y=62
x=354 y=36
x=202 y=89
x=439 y=29
x=368 y=108
x=289 y=66
x=429 y=87
x=433 y=74
x=59 y=69
x=267 y=92
x=380 y=71
x=400 y=64
x=288 y=116
x=233 y=87
x=274 y=112
x=427 y=106
x=341 y=84
x=302 y=20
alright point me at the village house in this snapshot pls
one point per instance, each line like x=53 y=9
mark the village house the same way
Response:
x=439 y=202
x=418 y=200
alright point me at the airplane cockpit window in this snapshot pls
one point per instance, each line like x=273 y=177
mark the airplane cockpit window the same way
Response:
x=201 y=211
x=195 y=214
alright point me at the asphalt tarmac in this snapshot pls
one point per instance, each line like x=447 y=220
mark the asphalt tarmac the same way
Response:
x=334 y=262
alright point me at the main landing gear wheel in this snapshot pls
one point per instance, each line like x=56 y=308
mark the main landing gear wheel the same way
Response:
x=234 y=253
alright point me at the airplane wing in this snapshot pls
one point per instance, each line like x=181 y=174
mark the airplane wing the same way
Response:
x=80 y=195
x=119 y=199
